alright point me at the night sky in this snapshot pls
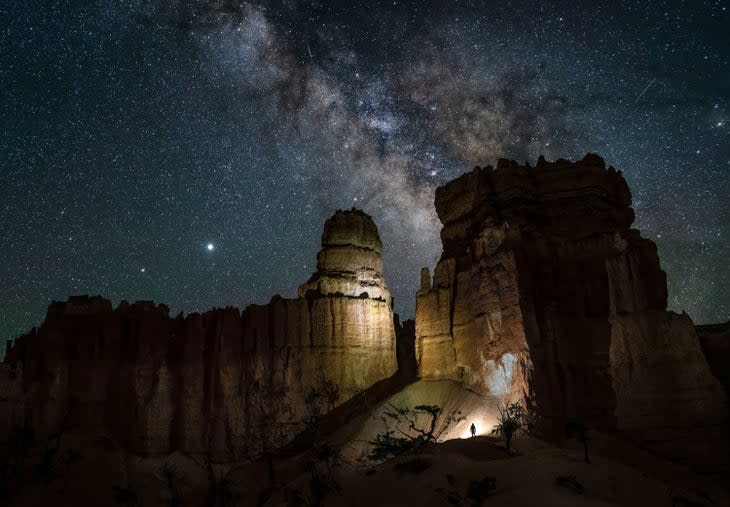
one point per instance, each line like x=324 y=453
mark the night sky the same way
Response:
x=189 y=152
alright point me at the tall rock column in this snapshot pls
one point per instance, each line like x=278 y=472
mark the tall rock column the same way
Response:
x=351 y=307
x=226 y=384
x=544 y=290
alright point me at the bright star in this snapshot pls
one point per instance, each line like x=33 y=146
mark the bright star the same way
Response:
x=210 y=247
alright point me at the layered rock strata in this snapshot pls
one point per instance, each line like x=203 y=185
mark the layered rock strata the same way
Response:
x=544 y=290
x=226 y=383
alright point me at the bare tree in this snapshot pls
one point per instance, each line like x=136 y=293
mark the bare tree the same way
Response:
x=407 y=429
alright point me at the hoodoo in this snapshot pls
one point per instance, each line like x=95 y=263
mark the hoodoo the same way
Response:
x=227 y=384
x=545 y=291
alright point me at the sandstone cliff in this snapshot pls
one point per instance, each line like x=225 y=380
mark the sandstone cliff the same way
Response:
x=715 y=341
x=544 y=290
x=226 y=383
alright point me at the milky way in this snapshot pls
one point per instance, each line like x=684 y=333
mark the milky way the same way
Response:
x=136 y=135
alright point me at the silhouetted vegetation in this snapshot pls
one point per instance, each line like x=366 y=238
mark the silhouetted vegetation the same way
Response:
x=322 y=395
x=325 y=459
x=511 y=419
x=407 y=429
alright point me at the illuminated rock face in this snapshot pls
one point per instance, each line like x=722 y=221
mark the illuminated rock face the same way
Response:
x=715 y=341
x=544 y=289
x=226 y=383
x=350 y=262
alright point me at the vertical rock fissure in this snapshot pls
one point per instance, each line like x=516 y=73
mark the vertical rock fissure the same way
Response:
x=218 y=383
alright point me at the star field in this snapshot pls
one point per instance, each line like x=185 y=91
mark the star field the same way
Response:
x=189 y=152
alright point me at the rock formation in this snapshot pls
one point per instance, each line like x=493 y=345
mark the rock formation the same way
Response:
x=544 y=290
x=226 y=383
x=715 y=341
x=350 y=262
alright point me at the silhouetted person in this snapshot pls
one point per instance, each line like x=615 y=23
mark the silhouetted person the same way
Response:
x=473 y=430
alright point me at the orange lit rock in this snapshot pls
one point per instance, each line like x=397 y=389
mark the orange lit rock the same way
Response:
x=349 y=263
x=226 y=383
x=544 y=290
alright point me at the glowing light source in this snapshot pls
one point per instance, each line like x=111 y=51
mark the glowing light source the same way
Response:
x=483 y=424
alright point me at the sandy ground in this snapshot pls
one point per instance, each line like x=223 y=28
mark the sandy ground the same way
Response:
x=454 y=400
x=435 y=476
x=441 y=475
x=93 y=470
x=528 y=479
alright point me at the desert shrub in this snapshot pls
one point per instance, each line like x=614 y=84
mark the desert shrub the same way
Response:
x=320 y=397
x=509 y=421
x=322 y=481
x=325 y=459
x=388 y=445
x=407 y=429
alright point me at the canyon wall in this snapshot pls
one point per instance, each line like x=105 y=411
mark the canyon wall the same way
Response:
x=226 y=383
x=545 y=291
x=715 y=341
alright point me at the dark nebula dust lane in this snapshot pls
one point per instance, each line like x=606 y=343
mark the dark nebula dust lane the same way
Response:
x=136 y=135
